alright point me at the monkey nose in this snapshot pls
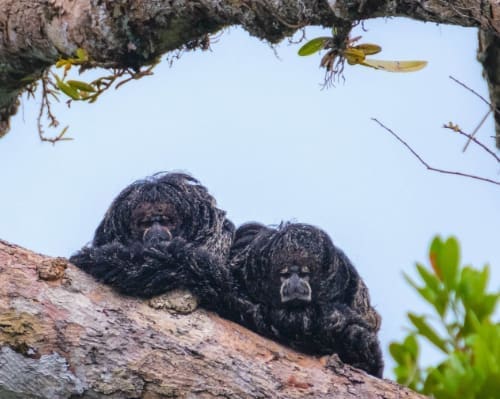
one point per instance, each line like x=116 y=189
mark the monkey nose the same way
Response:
x=295 y=290
x=156 y=233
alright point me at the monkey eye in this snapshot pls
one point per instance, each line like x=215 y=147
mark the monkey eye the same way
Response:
x=144 y=224
x=168 y=221
x=284 y=272
x=304 y=272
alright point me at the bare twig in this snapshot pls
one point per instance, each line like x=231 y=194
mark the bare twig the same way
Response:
x=492 y=109
x=474 y=92
x=46 y=109
x=449 y=172
x=471 y=137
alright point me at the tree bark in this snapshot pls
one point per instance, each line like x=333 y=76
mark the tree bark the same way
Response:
x=62 y=335
x=489 y=55
x=34 y=34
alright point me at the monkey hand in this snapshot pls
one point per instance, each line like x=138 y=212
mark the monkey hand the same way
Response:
x=165 y=250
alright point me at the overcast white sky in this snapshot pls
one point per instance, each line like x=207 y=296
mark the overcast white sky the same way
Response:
x=271 y=145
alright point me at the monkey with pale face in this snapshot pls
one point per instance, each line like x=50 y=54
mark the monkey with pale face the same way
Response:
x=300 y=289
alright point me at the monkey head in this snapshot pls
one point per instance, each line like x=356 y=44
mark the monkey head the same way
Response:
x=283 y=267
x=162 y=207
x=296 y=257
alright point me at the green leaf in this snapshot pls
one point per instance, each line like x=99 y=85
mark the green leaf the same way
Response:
x=433 y=291
x=407 y=350
x=434 y=251
x=430 y=279
x=61 y=63
x=77 y=84
x=314 y=45
x=66 y=89
x=472 y=290
x=397 y=352
x=433 y=381
x=81 y=54
x=444 y=257
x=411 y=345
x=438 y=298
x=410 y=281
x=406 y=356
x=448 y=259
x=427 y=331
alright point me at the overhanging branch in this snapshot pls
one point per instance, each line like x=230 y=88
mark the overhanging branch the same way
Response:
x=126 y=33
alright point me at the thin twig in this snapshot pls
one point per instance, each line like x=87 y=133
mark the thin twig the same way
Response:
x=457 y=129
x=45 y=108
x=474 y=92
x=492 y=108
x=426 y=164
x=471 y=136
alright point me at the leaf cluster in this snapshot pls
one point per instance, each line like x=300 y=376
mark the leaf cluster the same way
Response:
x=53 y=85
x=79 y=90
x=461 y=327
x=340 y=51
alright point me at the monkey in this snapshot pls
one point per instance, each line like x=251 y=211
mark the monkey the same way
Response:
x=160 y=233
x=295 y=286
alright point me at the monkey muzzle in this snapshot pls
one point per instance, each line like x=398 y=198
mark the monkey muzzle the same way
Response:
x=295 y=291
x=156 y=234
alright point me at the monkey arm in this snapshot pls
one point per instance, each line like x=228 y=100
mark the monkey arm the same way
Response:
x=347 y=333
x=127 y=269
x=198 y=270
x=253 y=316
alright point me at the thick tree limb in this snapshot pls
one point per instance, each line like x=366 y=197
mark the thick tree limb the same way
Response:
x=62 y=335
x=131 y=33
x=488 y=54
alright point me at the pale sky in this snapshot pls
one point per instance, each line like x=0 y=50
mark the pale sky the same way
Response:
x=270 y=145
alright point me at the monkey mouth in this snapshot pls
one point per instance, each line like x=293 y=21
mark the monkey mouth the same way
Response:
x=295 y=294
x=296 y=299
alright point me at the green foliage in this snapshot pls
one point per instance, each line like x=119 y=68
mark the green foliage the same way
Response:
x=461 y=327
x=355 y=55
x=79 y=90
x=314 y=45
x=56 y=84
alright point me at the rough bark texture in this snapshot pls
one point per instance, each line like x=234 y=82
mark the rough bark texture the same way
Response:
x=35 y=33
x=489 y=55
x=62 y=335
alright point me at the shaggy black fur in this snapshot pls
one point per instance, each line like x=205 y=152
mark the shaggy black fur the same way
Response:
x=161 y=233
x=298 y=288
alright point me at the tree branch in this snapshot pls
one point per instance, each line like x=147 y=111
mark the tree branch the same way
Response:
x=421 y=160
x=471 y=137
x=35 y=34
x=63 y=335
x=488 y=54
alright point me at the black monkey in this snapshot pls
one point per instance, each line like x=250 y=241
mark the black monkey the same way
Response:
x=295 y=286
x=160 y=233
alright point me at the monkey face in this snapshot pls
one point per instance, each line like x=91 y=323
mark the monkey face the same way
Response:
x=295 y=290
x=153 y=222
x=296 y=261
